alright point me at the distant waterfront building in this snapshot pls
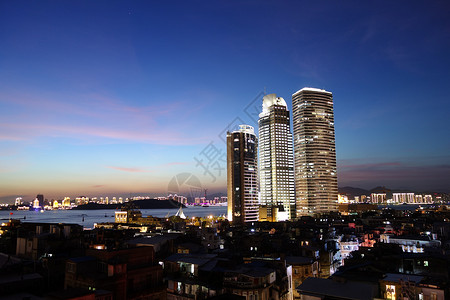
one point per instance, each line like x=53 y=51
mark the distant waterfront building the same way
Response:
x=242 y=175
x=378 y=198
x=66 y=202
x=314 y=151
x=81 y=200
x=410 y=197
x=399 y=198
x=428 y=199
x=343 y=199
x=418 y=199
x=276 y=160
x=40 y=198
x=18 y=201
x=55 y=204
x=180 y=199
x=36 y=204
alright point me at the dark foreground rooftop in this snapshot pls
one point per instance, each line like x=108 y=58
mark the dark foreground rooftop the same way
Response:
x=320 y=287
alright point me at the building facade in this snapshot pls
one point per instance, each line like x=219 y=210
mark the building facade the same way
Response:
x=378 y=198
x=276 y=161
x=242 y=175
x=314 y=151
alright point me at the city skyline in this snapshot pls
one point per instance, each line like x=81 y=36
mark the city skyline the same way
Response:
x=103 y=99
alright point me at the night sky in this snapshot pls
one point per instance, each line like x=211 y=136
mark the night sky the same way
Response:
x=103 y=98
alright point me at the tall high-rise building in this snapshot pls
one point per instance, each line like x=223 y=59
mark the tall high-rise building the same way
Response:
x=40 y=198
x=242 y=175
x=314 y=151
x=378 y=198
x=276 y=160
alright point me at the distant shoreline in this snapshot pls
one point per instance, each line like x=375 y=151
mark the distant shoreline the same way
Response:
x=138 y=204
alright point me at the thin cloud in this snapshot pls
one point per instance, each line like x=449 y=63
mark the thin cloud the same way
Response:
x=175 y=163
x=370 y=165
x=5 y=137
x=125 y=169
x=93 y=115
x=25 y=131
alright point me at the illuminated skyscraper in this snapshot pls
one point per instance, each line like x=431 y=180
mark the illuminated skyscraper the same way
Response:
x=276 y=161
x=242 y=175
x=314 y=151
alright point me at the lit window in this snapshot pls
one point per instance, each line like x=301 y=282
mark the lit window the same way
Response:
x=390 y=292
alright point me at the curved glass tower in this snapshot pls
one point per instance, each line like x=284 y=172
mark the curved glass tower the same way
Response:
x=314 y=151
x=276 y=161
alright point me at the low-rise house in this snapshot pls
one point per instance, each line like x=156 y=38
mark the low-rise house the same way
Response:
x=415 y=244
x=347 y=246
x=260 y=280
x=400 y=286
x=302 y=268
x=188 y=276
x=250 y=282
x=320 y=288
x=211 y=240
x=128 y=273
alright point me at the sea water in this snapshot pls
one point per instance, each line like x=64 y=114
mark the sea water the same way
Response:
x=87 y=218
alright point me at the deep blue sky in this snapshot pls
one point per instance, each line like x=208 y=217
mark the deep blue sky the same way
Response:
x=117 y=97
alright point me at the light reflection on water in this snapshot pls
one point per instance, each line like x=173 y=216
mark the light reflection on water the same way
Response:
x=87 y=218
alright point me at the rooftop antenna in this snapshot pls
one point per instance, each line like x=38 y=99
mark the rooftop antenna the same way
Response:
x=265 y=92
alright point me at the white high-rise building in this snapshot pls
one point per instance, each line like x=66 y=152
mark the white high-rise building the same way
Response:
x=276 y=161
x=428 y=199
x=418 y=199
x=410 y=197
x=400 y=198
x=378 y=198
x=314 y=151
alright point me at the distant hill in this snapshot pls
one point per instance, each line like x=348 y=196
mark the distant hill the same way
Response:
x=351 y=192
x=380 y=189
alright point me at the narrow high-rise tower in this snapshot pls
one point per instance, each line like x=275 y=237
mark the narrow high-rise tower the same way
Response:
x=276 y=165
x=242 y=175
x=314 y=151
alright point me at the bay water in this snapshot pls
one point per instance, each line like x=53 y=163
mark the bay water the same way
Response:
x=87 y=218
